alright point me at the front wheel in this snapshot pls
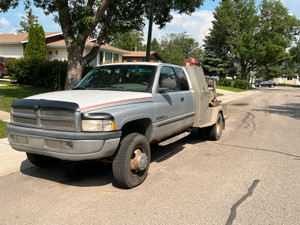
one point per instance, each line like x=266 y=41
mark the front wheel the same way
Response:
x=131 y=163
x=41 y=160
x=215 y=131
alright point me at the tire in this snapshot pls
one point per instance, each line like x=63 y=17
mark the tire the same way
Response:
x=215 y=131
x=202 y=133
x=272 y=86
x=259 y=85
x=134 y=149
x=41 y=160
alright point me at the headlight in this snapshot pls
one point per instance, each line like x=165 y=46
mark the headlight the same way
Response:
x=98 y=125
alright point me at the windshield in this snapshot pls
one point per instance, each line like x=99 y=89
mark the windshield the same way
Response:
x=119 y=78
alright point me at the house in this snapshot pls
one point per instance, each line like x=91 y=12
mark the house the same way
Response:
x=288 y=80
x=13 y=45
x=140 y=56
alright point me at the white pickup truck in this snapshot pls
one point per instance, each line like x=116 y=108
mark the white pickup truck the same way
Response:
x=115 y=112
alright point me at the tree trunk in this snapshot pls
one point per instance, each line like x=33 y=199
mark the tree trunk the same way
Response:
x=75 y=69
x=244 y=71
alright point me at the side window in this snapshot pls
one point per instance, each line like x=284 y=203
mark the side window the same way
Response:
x=184 y=85
x=168 y=75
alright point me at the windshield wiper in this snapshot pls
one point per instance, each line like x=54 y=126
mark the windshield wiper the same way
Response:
x=116 y=87
x=79 y=88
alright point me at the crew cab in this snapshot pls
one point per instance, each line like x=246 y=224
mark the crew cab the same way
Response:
x=115 y=112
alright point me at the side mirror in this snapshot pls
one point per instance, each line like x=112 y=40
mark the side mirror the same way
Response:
x=167 y=84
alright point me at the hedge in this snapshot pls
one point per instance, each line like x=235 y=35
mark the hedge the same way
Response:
x=225 y=82
x=242 y=84
x=39 y=72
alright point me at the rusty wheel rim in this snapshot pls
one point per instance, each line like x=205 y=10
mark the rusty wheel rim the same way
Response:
x=219 y=126
x=133 y=161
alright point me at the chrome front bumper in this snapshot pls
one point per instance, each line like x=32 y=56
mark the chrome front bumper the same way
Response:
x=64 y=145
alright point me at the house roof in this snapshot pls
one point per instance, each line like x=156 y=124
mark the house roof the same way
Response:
x=138 y=54
x=141 y=54
x=89 y=43
x=20 y=38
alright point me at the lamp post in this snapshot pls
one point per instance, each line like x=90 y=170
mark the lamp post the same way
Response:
x=149 y=32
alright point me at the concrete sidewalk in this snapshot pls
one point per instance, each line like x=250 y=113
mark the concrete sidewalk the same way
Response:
x=232 y=96
x=5 y=116
x=11 y=160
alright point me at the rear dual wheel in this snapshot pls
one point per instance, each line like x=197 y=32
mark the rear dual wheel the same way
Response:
x=213 y=132
x=131 y=163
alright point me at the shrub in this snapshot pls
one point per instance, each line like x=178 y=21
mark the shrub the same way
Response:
x=39 y=72
x=242 y=84
x=225 y=82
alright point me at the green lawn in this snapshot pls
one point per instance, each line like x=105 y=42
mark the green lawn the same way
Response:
x=2 y=129
x=12 y=92
x=230 y=89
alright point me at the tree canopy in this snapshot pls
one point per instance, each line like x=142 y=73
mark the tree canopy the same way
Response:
x=79 y=19
x=27 y=21
x=248 y=39
x=128 y=40
x=176 y=46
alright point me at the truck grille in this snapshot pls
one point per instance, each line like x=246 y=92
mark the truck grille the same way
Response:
x=38 y=115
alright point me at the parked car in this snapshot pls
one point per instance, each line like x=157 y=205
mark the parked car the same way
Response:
x=215 y=78
x=266 y=84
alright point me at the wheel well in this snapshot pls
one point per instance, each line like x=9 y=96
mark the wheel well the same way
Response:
x=142 y=126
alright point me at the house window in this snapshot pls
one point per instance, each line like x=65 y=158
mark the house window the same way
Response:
x=289 y=78
x=101 y=58
x=116 y=57
x=50 y=55
x=108 y=57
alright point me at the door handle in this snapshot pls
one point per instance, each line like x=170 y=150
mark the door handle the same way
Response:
x=182 y=99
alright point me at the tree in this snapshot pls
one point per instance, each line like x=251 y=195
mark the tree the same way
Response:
x=155 y=46
x=218 y=60
x=28 y=20
x=294 y=60
x=246 y=40
x=276 y=33
x=242 y=40
x=36 y=46
x=128 y=40
x=79 y=19
x=175 y=47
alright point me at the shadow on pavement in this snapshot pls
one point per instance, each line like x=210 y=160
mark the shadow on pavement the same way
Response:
x=291 y=110
x=95 y=173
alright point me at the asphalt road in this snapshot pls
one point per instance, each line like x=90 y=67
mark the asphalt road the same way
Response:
x=250 y=176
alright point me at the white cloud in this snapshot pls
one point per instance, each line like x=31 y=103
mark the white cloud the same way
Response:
x=20 y=15
x=197 y=25
x=293 y=6
x=4 y=22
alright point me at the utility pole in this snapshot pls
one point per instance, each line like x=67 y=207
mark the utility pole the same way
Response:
x=150 y=32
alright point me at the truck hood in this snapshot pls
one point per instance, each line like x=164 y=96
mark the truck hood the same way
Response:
x=93 y=99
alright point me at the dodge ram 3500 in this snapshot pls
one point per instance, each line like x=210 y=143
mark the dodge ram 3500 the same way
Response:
x=115 y=112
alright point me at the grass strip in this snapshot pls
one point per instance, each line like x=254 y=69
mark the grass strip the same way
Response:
x=231 y=89
x=12 y=92
x=3 y=129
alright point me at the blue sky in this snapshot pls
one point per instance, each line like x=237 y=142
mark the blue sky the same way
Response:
x=197 y=25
